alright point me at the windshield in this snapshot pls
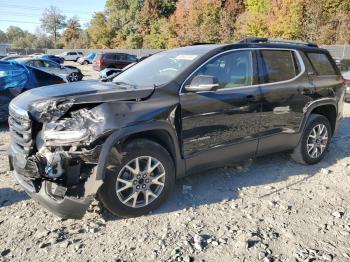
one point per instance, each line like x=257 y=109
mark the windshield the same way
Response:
x=160 y=68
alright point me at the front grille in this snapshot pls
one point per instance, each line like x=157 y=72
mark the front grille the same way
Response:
x=21 y=130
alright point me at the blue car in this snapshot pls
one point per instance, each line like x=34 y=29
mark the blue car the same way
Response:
x=87 y=59
x=54 y=58
x=15 y=78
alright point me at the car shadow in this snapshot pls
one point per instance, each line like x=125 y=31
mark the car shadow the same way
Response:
x=4 y=127
x=221 y=184
x=8 y=197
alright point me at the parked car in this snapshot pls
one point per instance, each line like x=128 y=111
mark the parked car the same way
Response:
x=87 y=59
x=12 y=57
x=178 y=112
x=36 y=54
x=16 y=78
x=54 y=58
x=108 y=74
x=71 y=56
x=346 y=76
x=72 y=73
x=112 y=60
x=13 y=54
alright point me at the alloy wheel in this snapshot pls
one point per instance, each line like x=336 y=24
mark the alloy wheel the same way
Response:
x=317 y=141
x=74 y=77
x=140 y=181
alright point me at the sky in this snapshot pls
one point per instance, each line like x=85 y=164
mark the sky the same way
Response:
x=26 y=14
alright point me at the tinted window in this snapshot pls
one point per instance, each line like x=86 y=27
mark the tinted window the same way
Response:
x=50 y=64
x=109 y=56
x=232 y=70
x=321 y=64
x=36 y=63
x=279 y=65
x=132 y=58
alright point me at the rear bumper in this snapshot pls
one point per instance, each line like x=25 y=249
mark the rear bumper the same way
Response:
x=65 y=207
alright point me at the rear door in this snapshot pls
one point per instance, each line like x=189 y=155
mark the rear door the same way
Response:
x=222 y=125
x=52 y=67
x=286 y=90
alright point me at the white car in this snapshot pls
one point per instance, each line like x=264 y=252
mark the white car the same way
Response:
x=71 y=56
x=346 y=76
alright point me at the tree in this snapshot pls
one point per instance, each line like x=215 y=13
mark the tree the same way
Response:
x=25 y=42
x=13 y=33
x=99 y=31
x=52 y=21
x=253 y=22
x=166 y=8
x=72 y=33
x=122 y=17
x=285 y=19
x=3 y=37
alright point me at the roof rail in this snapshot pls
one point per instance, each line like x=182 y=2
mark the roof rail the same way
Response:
x=251 y=40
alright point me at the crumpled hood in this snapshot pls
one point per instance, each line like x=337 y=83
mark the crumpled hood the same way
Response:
x=83 y=92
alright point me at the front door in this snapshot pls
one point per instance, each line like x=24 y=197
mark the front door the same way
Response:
x=222 y=125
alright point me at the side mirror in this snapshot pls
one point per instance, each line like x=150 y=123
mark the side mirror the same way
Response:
x=203 y=83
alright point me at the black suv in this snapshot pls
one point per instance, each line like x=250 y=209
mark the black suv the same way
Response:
x=177 y=112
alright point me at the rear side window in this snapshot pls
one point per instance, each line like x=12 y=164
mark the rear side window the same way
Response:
x=109 y=56
x=321 y=64
x=279 y=65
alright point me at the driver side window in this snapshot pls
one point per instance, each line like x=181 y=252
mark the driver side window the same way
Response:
x=234 y=69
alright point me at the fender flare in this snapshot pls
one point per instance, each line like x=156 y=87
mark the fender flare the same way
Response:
x=131 y=130
x=313 y=105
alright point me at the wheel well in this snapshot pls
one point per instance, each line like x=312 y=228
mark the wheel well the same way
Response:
x=328 y=111
x=159 y=136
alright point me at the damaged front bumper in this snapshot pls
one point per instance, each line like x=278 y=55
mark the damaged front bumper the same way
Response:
x=65 y=202
x=65 y=207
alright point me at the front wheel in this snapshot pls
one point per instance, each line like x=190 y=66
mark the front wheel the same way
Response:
x=315 y=141
x=140 y=182
x=73 y=77
x=85 y=62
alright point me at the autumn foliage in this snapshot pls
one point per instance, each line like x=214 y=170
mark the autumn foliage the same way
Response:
x=171 y=23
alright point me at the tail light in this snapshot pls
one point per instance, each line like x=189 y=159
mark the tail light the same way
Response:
x=100 y=62
x=59 y=81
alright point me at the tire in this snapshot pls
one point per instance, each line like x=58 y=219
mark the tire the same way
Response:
x=73 y=77
x=85 y=62
x=301 y=152
x=139 y=148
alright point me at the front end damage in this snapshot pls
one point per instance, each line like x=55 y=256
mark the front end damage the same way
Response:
x=54 y=153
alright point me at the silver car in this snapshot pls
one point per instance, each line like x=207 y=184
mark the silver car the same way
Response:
x=71 y=73
x=71 y=56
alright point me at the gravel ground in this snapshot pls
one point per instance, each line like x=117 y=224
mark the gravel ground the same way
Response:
x=87 y=70
x=268 y=210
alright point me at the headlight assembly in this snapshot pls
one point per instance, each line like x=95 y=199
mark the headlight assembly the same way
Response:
x=50 y=110
x=79 y=128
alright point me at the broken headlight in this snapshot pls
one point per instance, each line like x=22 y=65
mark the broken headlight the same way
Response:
x=49 y=110
x=80 y=127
